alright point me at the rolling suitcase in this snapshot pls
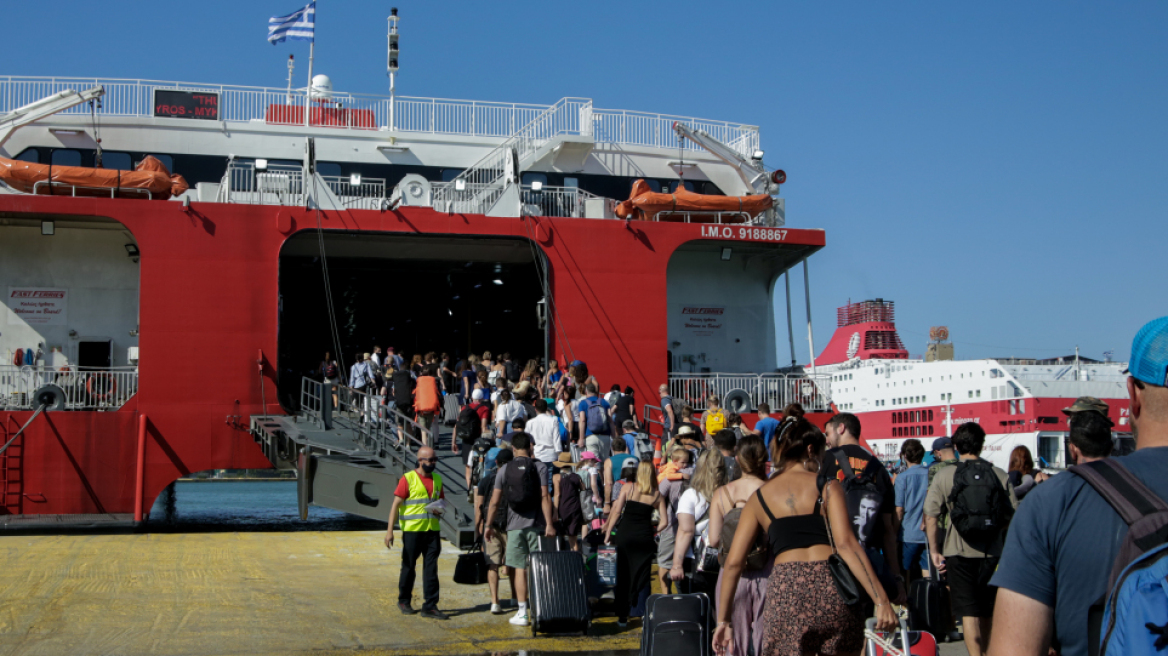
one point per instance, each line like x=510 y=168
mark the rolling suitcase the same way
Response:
x=450 y=409
x=555 y=586
x=920 y=643
x=928 y=604
x=677 y=625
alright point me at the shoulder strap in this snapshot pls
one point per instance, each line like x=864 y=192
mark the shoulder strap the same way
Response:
x=765 y=508
x=842 y=459
x=1120 y=488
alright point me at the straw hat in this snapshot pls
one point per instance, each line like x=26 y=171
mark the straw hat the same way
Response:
x=565 y=460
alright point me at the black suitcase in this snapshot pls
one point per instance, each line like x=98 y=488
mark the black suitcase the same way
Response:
x=928 y=605
x=450 y=410
x=677 y=625
x=555 y=588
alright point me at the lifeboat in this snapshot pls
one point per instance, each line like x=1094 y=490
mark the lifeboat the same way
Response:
x=644 y=204
x=150 y=176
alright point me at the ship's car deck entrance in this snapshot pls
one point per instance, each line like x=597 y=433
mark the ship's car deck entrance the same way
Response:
x=415 y=293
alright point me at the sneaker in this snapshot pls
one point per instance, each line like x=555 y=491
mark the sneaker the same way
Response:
x=405 y=608
x=434 y=614
x=520 y=618
x=496 y=609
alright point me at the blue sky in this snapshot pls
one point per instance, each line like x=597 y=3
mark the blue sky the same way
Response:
x=1000 y=168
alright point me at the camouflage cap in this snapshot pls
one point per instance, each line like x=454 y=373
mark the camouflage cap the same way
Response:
x=1086 y=404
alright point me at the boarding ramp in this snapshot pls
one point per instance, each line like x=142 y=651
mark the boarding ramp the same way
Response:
x=350 y=457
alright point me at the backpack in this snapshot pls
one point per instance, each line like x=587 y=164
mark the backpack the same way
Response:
x=512 y=370
x=489 y=466
x=500 y=523
x=979 y=506
x=596 y=419
x=482 y=447
x=426 y=396
x=644 y=447
x=861 y=493
x=521 y=485
x=331 y=370
x=469 y=424
x=587 y=505
x=759 y=553
x=715 y=420
x=1136 y=602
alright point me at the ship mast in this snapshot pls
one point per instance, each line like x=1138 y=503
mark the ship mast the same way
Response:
x=391 y=63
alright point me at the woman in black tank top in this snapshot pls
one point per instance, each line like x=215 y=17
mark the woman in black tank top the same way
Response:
x=804 y=613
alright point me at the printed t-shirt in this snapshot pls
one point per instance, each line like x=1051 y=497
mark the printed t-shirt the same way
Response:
x=863 y=463
x=530 y=518
x=1063 y=541
x=911 y=487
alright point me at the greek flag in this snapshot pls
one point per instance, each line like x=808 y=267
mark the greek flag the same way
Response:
x=299 y=25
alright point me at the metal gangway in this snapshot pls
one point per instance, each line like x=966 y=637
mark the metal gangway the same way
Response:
x=350 y=457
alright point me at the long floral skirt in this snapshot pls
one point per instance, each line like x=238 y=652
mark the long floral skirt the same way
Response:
x=805 y=614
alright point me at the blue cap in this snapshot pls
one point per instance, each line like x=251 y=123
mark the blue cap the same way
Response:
x=942 y=443
x=1149 y=357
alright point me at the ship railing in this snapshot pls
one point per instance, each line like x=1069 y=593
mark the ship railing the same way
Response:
x=274 y=184
x=743 y=392
x=375 y=426
x=364 y=112
x=732 y=218
x=486 y=179
x=357 y=192
x=85 y=388
x=53 y=188
x=544 y=200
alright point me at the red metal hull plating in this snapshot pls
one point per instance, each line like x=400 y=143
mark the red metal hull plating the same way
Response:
x=208 y=311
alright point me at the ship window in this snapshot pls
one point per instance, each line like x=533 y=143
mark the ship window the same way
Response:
x=29 y=155
x=450 y=174
x=971 y=394
x=930 y=415
x=66 y=157
x=329 y=169
x=572 y=182
x=116 y=161
x=711 y=189
x=979 y=394
x=528 y=178
x=653 y=185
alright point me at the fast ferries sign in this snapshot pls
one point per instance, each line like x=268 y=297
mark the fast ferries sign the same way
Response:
x=38 y=306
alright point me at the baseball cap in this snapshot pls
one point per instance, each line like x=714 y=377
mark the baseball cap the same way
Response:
x=1149 y=358
x=942 y=443
x=1087 y=404
x=477 y=395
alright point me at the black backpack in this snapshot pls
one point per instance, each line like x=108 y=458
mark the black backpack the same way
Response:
x=979 y=507
x=500 y=523
x=521 y=485
x=511 y=368
x=864 y=500
x=481 y=447
x=470 y=425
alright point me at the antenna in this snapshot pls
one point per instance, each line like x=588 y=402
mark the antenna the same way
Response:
x=391 y=62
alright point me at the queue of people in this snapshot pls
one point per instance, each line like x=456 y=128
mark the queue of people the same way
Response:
x=798 y=534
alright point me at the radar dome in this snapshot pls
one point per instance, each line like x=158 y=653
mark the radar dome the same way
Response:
x=322 y=86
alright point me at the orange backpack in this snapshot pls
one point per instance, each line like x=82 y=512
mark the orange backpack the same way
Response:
x=426 y=394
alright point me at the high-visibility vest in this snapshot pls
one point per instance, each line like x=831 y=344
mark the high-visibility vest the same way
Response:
x=413 y=516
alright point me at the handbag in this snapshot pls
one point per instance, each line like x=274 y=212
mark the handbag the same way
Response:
x=471 y=568
x=705 y=555
x=845 y=581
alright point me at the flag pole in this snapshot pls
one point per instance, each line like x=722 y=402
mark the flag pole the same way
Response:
x=308 y=89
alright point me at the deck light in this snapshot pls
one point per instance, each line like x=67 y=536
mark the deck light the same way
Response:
x=537 y=186
x=261 y=165
x=48 y=228
x=497 y=281
x=460 y=185
x=726 y=254
x=355 y=179
x=757 y=156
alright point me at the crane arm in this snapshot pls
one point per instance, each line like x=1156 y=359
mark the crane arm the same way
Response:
x=35 y=111
x=753 y=175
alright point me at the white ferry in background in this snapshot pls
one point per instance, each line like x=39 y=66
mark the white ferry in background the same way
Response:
x=1018 y=401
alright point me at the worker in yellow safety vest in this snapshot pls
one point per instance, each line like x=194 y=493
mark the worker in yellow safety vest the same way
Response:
x=415 y=492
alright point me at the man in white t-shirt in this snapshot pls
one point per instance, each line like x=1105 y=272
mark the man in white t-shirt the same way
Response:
x=544 y=430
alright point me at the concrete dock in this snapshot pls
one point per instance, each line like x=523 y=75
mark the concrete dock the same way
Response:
x=245 y=593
